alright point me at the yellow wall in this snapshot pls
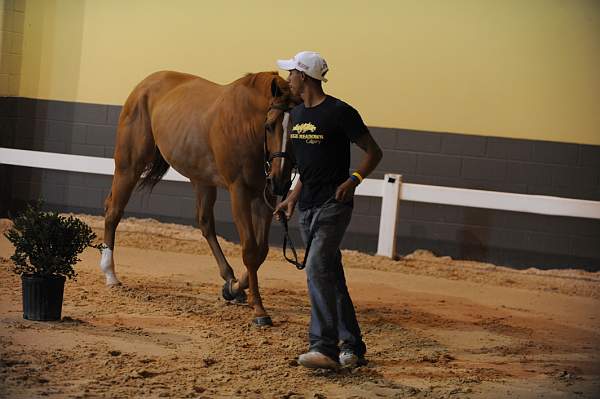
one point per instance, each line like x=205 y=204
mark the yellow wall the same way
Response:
x=514 y=68
x=11 y=44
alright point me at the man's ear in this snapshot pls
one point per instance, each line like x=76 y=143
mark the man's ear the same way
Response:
x=275 y=90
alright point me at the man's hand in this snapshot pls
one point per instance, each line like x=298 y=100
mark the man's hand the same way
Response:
x=285 y=207
x=345 y=191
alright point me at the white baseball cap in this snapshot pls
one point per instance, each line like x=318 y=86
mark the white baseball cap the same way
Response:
x=309 y=62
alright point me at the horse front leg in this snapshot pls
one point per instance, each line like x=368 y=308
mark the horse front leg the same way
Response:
x=261 y=222
x=205 y=201
x=252 y=254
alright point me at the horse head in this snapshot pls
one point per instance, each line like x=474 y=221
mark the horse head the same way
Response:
x=279 y=160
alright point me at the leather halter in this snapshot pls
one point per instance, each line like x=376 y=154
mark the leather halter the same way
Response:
x=268 y=157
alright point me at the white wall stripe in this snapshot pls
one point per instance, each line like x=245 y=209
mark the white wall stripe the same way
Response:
x=391 y=189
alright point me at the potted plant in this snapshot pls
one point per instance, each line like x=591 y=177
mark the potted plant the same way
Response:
x=46 y=249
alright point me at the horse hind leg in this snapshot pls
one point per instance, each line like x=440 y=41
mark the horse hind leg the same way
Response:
x=135 y=152
x=123 y=184
x=205 y=201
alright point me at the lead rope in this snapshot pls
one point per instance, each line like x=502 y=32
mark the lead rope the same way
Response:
x=287 y=239
x=286 y=233
x=311 y=235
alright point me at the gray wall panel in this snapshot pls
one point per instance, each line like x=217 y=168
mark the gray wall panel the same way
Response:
x=9 y=106
x=438 y=165
x=166 y=205
x=386 y=138
x=89 y=150
x=362 y=205
x=586 y=247
x=401 y=162
x=113 y=113
x=418 y=141
x=555 y=153
x=483 y=169
x=463 y=145
x=520 y=150
x=101 y=135
x=7 y=131
x=528 y=173
x=548 y=243
x=364 y=224
x=589 y=156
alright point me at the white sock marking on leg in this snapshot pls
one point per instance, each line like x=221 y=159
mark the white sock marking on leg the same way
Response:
x=107 y=264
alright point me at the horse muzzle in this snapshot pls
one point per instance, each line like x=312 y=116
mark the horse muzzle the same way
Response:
x=278 y=186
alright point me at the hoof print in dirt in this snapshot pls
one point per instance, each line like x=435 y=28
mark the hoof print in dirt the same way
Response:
x=70 y=320
x=264 y=321
x=143 y=374
x=208 y=361
x=114 y=285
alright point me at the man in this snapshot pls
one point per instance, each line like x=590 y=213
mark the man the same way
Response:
x=322 y=129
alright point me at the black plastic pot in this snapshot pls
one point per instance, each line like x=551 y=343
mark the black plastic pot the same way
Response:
x=42 y=297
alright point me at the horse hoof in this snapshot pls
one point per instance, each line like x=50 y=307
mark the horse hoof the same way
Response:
x=229 y=295
x=263 y=321
x=226 y=292
x=240 y=298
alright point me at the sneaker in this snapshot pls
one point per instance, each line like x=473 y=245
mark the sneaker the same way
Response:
x=317 y=360
x=350 y=359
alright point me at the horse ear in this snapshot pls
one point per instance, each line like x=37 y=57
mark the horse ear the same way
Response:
x=275 y=90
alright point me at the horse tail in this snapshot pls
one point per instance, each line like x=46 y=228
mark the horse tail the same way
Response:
x=156 y=166
x=154 y=171
x=136 y=148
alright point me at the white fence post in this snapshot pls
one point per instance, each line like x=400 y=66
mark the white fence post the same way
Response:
x=386 y=245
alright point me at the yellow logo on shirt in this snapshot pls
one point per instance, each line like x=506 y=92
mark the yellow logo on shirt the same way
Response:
x=302 y=129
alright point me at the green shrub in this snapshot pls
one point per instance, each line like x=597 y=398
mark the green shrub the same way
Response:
x=47 y=244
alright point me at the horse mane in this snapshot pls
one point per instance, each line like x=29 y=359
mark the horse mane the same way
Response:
x=240 y=93
x=259 y=80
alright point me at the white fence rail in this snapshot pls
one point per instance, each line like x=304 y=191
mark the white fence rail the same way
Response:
x=390 y=189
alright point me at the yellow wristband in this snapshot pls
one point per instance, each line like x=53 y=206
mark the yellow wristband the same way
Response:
x=358 y=176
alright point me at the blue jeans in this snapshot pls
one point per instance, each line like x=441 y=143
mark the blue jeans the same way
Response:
x=332 y=319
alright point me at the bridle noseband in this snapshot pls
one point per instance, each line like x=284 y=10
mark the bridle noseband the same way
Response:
x=268 y=157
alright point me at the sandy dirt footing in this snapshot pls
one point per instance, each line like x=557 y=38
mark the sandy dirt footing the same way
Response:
x=435 y=328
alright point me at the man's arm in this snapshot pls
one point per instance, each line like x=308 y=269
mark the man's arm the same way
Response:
x=369 y=162
x=373 y=154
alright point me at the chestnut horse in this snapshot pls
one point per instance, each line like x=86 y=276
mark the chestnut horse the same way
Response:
x=217 y=136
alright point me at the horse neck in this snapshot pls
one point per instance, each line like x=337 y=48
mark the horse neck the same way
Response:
x=258 y=87
x=260 y=81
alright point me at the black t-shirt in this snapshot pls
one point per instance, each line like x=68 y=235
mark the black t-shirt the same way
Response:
x=321 y=137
